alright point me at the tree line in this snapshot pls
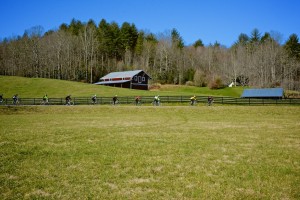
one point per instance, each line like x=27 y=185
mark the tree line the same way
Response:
x=85 y=52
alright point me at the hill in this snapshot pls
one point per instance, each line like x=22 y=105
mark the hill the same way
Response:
x=37 y=87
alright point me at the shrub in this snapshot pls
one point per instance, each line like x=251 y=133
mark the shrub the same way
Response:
x=216 y=84
x=275 y=84
x=291 y=94
x=200 y=79
x=189 y=83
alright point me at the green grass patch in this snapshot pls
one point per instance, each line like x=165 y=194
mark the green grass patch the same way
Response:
x=127 y=152
x=201 y=91
x=37 y=87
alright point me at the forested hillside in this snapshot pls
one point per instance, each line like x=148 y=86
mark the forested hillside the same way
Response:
x=86 y=51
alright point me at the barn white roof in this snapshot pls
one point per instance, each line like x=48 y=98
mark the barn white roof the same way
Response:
x=123 y=74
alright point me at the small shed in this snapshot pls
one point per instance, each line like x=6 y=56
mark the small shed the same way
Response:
x=136 y=79
x=265 y=93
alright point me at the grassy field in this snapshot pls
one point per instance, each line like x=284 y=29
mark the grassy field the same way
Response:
x=37 y=87
x=127 y=152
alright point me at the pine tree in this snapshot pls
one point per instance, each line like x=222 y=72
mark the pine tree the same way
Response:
x=243 y=39
x=255 y=36
x=140 y=43
x=198 y=43
x=176 y=39
x=292 y=47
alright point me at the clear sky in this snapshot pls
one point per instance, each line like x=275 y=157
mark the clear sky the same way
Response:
x=208 y=20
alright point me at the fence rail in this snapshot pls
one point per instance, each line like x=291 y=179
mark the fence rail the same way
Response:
x=183 y=100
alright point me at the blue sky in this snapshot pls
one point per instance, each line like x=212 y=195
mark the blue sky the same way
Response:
x=208 y=20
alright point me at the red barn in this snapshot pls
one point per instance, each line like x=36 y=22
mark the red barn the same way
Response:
x=136 y=79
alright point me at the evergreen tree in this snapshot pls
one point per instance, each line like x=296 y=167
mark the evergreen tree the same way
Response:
x=75 y=27
x=198 y=43
x=140 y=43
x=243 y=39
x=266 y=37
x=176 y=39
x=64 y=27
x=255 y=36
x=103 y=29
x=151 y=38
x=114 y=43
x=292 y=47
x=217 y=44
x=91 y=23
x=129 y=35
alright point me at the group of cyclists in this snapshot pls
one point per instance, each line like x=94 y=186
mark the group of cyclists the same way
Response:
x=15 y=99
x=156 y=101
x=115 y=101
x=193 y=101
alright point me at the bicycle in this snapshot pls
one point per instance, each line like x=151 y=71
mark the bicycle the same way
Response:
x=137 y=103
x=15 y=102
x=156 y=103
x=43 y=102
x=115 y=103
x=1 y=99
x=94 y=102
x=210 y=103
x=69 y=103
x=193 y=103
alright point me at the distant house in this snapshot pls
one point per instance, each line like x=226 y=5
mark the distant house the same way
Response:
x=266 y=93
x=136 y=79
x=231 y=84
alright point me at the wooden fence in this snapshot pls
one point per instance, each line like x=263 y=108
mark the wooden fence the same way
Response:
x=165 y=100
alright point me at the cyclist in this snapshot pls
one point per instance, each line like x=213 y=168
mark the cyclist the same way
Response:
x=137 y=100
x=45 y=99
x=210 y=100
x=68 y=100
x=94 y=99
x=193 y=100
x=115 y=99
x=15 y=99
x=1 y=98
x=156 y=100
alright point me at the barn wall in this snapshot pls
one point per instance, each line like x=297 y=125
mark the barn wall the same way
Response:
x=139 y=82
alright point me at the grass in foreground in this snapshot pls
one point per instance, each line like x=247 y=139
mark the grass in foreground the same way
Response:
x=105 y=152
